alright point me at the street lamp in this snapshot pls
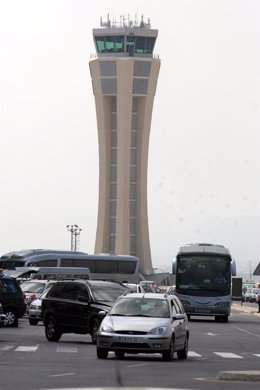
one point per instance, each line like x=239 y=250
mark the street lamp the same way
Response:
x=75 y=232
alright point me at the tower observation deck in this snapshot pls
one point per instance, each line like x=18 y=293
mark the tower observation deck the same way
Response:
x=124 y=76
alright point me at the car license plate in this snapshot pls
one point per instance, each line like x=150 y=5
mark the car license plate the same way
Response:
x=127 y=339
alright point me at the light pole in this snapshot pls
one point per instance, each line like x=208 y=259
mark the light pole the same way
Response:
x=75 y=232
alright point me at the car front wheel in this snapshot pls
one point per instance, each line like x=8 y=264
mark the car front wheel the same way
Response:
x=169 y=354
x=52 y=333
x=183 y=353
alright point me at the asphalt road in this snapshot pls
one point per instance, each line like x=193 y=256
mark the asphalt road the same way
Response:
x=29 y=362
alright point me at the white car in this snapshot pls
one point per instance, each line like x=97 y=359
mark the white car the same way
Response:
x=35 y=309
x=144 y=323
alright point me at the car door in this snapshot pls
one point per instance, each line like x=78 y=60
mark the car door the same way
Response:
x=177 y=324
x=66 y=307
x=84 y=306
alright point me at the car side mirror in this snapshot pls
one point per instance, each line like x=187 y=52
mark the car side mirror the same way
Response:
x=178 y=317
x=102 y=314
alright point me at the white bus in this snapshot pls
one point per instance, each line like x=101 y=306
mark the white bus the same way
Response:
x=203 y=280
x=120 y=268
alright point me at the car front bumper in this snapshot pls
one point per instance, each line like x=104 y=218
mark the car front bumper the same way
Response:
x=134 y=343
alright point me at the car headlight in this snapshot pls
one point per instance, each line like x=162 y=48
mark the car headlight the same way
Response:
x=106 y=328
x=185 y=303
x=222 y=304
x=158 y=331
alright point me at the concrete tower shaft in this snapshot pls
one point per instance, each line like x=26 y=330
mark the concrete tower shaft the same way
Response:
x=124 y=77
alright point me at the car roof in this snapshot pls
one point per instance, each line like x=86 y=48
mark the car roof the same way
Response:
x=94 y=282
x=147 y=295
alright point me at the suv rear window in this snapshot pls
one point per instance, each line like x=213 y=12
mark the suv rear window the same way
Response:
x=8 y=286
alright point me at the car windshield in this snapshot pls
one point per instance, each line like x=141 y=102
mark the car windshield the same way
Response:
x=107 y=293
x=35 y=287
x=141 y=307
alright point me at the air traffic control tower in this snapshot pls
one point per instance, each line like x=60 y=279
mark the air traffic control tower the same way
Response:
x=124 y=77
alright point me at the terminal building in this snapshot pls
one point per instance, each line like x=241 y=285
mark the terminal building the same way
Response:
x=124 y=74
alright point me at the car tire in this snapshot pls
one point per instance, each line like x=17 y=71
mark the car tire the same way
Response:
x=120 y=354
x=169 y=354
x=52 y=332
x=94 y=328
x=102 y=353
x=32 y=321
x=225 y=319
x=183 y=353
x=11 y=318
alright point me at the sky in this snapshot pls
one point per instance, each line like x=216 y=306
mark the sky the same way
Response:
x=204 y=161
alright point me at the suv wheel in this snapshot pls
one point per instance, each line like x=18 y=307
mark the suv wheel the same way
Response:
x=120 y=354
x=52 y=333
x=102 y=353
x=11 y=318
x=32 y=321
x=94 y=328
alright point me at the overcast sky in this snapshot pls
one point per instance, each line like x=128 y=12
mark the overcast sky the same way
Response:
x=204 y=162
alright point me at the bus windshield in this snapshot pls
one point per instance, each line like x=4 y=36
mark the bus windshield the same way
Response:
x=200 y=274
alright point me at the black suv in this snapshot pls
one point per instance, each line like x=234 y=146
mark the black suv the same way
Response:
x=73 y=306
x=12 y=300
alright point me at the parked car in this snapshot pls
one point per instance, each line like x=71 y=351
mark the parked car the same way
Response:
x=2 y=315
x=12 y=300
x=35 y=308
x=144 y=323
x=32 y=289
x=73 y=306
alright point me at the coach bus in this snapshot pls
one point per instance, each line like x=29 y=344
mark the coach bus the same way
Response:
x=203 y=280
x=120 y=268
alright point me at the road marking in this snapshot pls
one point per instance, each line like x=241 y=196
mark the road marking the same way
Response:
x=193 y=354
x=212 y=334
x=7 y=348
x=137 y=365
x=256 y=354
x=67 y=349
x=68 y=373
x=228 y=355
x=245 y=331
x=27 y=348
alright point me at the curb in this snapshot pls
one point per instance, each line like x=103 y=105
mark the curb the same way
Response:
x=245 y=376
x=244 y=309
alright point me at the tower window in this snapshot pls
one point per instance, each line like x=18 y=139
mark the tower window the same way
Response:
x=140 y=86
x=142 y=68
x=110 y=44
x=109 y=86
x=107 y=68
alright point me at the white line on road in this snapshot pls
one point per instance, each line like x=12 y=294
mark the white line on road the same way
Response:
x=193 y=354
x=137 y=365
x=246 y=331
x=68 y=373
x=228 y=355
x=67 y=349
x=27 y=348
